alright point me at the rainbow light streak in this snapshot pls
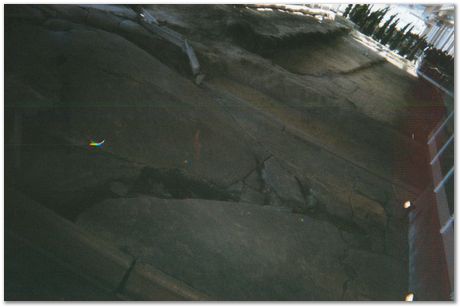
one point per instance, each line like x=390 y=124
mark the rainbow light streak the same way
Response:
x=96 y=144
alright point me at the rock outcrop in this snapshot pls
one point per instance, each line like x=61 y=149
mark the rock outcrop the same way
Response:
x=235 y=251
x=261 y=183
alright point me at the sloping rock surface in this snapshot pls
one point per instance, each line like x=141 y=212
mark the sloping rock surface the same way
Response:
x=237 y=251
x=209 y=180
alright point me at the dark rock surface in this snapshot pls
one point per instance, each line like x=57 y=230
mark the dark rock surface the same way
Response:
x=283 y=184
x=261 y=183
x=32 y=275
x=82 y=80
x=252 y=196
x=236 y=251
x=371 y=274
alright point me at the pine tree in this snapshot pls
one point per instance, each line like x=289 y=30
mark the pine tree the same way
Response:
x=397 y=38
x=389 y=33
x=381 y=31
x=382 y=14
x=353 y=12
x=408 y=33
x=379 y=20
x=374 y=21
x=359 y=16
x=368 y=21
x=407 y=43
x=369 y=9
x=347 y=10
x=363 y=15
x=420 y=45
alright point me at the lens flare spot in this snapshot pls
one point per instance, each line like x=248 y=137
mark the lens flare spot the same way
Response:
x=409 y=297
x=407 y=204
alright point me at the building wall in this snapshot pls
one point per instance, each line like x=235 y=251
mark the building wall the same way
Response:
x=440 y=30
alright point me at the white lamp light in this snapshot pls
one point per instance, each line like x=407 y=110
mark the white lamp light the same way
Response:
x=407 y=204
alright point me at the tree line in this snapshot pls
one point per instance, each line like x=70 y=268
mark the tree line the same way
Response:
x=401 y=40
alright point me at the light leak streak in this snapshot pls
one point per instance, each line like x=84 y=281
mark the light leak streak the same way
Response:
x=96 y=144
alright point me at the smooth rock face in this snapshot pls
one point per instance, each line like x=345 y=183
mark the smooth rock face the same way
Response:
x=282 y=183
x=252 y=196
x=237 y=251
x=254 y=181
x=119 y=188
x=374 y=276
x=367 y=212
x=132 y=104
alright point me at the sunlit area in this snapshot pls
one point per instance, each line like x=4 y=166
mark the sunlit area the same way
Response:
x=229 y=152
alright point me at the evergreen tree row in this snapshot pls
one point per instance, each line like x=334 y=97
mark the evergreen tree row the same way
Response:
x=402 y=41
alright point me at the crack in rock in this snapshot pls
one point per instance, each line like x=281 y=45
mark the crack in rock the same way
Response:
x=174 y=183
